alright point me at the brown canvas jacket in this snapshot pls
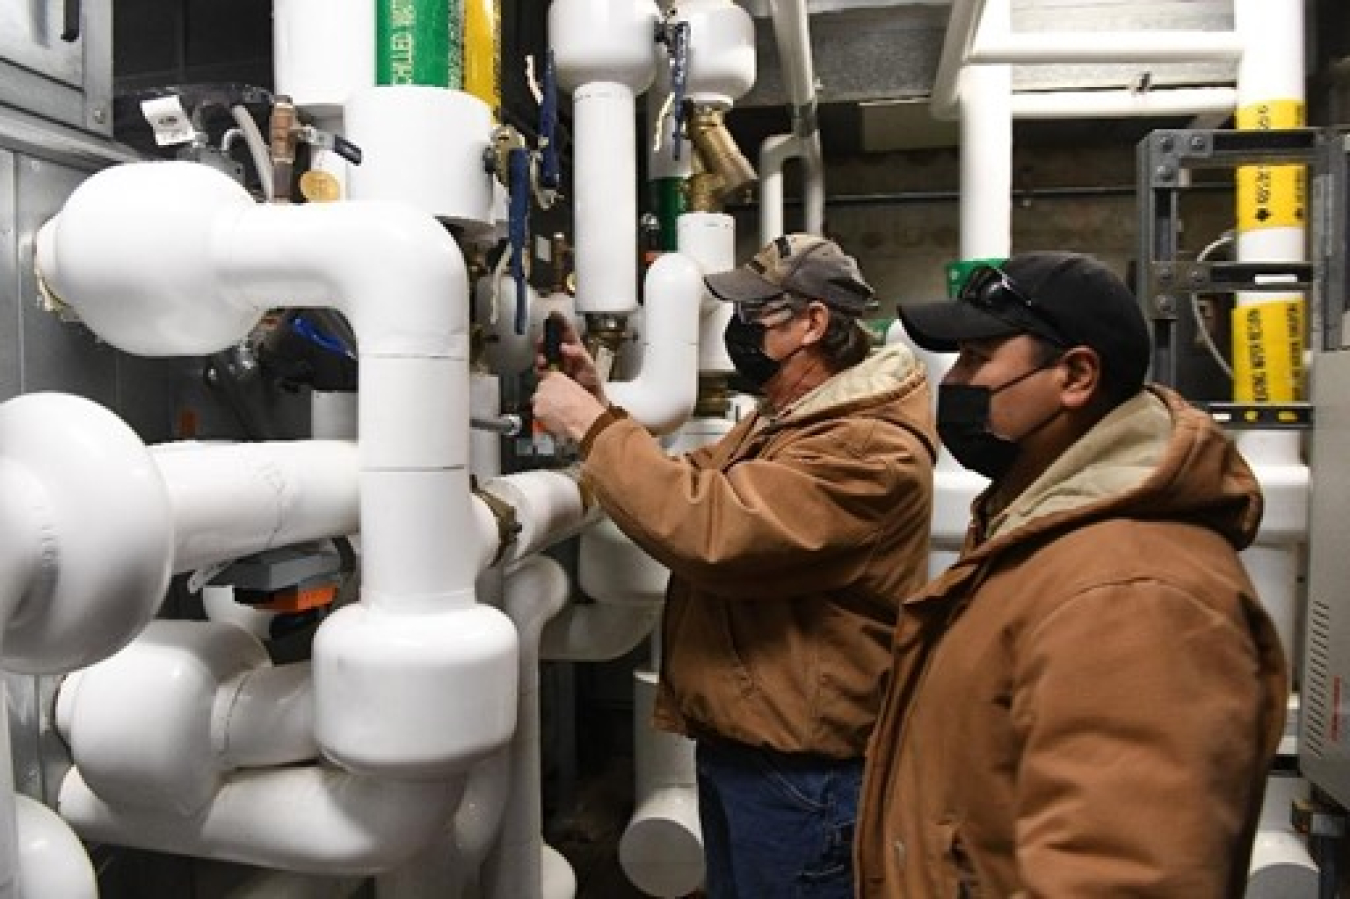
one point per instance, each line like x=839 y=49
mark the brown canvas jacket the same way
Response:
x=789 y=542
x=1086 y=702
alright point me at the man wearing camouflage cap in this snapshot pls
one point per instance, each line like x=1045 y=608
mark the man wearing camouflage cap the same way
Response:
x=790 y=543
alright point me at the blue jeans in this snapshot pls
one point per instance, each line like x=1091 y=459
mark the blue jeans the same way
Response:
x=776 y=826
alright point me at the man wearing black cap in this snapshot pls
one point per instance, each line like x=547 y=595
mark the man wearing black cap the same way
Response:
x=1086 y=703
x=789 y=543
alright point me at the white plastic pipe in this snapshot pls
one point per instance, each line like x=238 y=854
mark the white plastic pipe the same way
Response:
x=535 y=590
x=709 y=238
x=774 y=154
x=1281 y=866
x=597 y=632
x=605 y=206
x=231 y=500
x=548 y=508
x=661 y=850
x=963 y=24
x=1105 y=47
x=792 y=33
x=986 y=162
x=310 y=819
x=51 y=860
x=605 y=54
x=265 y=717
x=134 y=240
x=665 y=390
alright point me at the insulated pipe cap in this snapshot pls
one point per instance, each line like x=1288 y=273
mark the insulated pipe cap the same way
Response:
x=134 y=252
x=108 y=533
x=604 y=40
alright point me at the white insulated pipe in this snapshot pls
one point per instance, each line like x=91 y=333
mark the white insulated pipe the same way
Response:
x=963 y=24
x=665 y=390
x=774 y=153
x=534 y=591
x=605 y=205
x=1105 y=47
x=709 y=238
x=661 y=850
x=311 y=819
x=792 y=32
x=133 y=240
x=265 y=717
x=605 y=54
x=232 y=500
x=986 y=162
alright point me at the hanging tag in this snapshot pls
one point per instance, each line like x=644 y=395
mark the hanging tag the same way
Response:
x=168 y=120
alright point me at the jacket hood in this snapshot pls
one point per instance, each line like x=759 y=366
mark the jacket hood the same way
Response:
x=890 y=384
x=1154 y=456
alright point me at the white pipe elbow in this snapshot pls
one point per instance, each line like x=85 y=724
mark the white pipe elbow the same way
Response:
x=664 y=393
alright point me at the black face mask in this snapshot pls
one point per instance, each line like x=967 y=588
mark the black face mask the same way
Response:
x=745 y=346
x=963 y=425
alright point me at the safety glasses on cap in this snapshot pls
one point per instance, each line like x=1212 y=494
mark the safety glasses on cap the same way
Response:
x=989 y=288
x=755 y=312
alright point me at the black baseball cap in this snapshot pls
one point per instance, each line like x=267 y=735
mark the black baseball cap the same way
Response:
x=802 y=264
x=1069 y=299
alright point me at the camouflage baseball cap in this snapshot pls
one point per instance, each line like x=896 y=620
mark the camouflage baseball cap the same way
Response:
x=802 y=264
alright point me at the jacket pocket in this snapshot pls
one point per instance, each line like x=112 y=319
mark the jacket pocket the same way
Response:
x=959 y=879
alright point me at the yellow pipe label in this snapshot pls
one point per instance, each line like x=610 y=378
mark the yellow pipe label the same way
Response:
x=1271 y=196
x=1268 y=351
x=483 y=51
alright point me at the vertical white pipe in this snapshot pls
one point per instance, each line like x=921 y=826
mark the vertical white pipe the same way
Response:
x=1271 y=94
x=986 y=153
x=709 y=238
x=605 y=205
x=774 y=153
x=535 y=590
x=792 y=31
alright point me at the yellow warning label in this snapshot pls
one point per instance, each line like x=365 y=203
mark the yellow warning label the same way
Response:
x=1268 y=351
x=1271 y=196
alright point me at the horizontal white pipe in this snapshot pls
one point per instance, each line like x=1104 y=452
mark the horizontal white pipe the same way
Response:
x=51 y=860
x=310 y=819
x=548 y=509
x=1105 y=47
x=1123 y=103
x=232 y=500
x=265 y=717
x=664 y=392
x=597 y=632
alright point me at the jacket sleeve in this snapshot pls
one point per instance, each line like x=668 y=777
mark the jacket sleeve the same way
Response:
x=1141 y=710
x=764 y=528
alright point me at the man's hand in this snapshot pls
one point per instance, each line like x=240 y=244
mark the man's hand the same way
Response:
x=564 y=407
x=574 y=361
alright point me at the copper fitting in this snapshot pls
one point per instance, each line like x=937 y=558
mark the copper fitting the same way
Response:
x=717 y=150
